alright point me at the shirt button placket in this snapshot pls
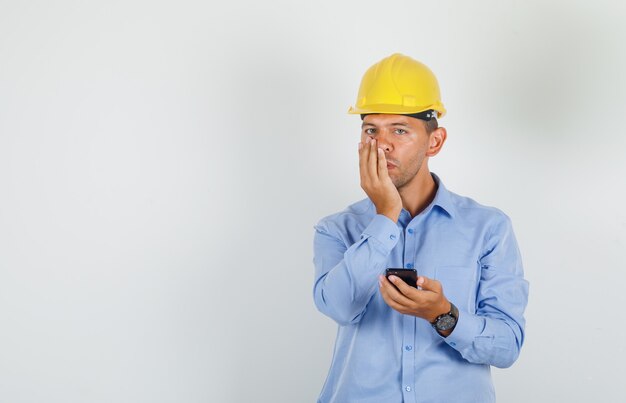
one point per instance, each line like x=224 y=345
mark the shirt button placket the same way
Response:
x=408 y=358
x=409 y=245
x=408 y=355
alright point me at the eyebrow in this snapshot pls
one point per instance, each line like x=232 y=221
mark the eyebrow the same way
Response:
x=391 y=124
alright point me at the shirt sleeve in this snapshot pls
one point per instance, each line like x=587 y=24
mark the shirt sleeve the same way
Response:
x=346 y=276
x=494 y=334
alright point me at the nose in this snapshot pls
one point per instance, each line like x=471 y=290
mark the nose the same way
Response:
x=383 y=138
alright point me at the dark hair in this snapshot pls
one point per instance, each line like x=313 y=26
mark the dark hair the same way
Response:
x=431 y=125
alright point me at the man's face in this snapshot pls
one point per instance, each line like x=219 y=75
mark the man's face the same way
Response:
x=404 y=140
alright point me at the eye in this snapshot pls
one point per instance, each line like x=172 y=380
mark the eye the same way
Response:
x=369 y=131
x=400 y=131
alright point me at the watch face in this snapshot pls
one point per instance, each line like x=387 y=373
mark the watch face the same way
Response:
x=446 y=322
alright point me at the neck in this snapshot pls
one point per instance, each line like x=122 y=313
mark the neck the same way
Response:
x=419 y=193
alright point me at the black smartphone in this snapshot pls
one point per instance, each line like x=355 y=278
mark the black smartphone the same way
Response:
x=409 y=276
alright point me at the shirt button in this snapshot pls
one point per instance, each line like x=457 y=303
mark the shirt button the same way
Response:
x=408 y=388
x=392 y=237
x=452 y=343
x=408 y=348
x=410 y=230
x=409 y=265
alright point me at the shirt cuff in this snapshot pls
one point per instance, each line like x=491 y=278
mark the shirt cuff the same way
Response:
x=467 y=328
x=384 y=231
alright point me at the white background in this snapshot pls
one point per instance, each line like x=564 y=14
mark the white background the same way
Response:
x=162 y=165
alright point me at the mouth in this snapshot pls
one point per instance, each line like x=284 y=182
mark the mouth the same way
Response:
x=391 y=165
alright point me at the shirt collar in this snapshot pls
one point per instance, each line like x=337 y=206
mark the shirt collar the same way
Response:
x=443 y=198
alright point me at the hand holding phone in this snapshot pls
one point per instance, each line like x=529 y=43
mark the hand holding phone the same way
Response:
x=409 y=276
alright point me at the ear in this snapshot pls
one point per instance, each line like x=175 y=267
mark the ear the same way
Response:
x=436 y=140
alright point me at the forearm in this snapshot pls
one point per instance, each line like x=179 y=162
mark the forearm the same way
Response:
x=346 y=279
x=345 y=290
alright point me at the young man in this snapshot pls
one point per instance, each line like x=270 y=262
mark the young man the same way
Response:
x=434 y=342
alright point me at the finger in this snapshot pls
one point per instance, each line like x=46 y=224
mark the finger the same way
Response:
x=363 y=158
x=394 y=305
x=385 y=292
x=362 y=162
x=382 y=164
x=372 y=163
x=410 y=292
x=392 y=293
x=428 y=284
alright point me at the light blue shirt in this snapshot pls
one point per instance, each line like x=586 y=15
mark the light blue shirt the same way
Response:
x=383 y=356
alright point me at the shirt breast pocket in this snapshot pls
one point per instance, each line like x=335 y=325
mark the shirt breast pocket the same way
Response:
x=459 y=285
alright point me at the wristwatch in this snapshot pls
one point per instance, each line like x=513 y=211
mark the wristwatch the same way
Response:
x=446 y=321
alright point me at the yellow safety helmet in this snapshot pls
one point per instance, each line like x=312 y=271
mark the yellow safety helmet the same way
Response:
x=398 y=84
